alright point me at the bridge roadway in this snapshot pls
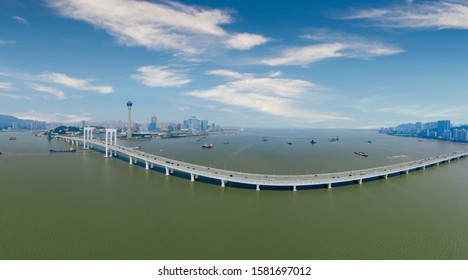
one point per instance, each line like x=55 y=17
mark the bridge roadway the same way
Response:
x=258 y=180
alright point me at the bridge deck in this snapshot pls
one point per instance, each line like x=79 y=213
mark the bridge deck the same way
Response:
x=272 y=180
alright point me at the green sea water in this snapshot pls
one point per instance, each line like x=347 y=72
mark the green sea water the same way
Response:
x=84 y=206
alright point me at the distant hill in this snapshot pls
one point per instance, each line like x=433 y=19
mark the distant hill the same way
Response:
x=6 y=120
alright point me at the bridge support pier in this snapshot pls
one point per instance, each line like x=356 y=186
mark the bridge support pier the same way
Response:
x=130 y=160
x=294 y=188
x=87 y=135
x=167 y=171
x=437 y=164
x=359 y=181
x=151 y=166
x=406 y=171
x=171 y=171
x=146 y=165
x=257 y=188
x=329 y=185
x=192 y=177
x=111 y=139
x=385 y=176
x=223 y=184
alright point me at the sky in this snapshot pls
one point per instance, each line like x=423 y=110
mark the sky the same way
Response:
x=262 y=63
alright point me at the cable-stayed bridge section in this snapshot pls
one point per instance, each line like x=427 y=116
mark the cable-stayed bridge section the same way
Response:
x=256 y=180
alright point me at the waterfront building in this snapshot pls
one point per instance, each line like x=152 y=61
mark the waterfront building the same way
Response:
x=443 y=125
x=447 y=135
x=153 y=125
x=195 y=125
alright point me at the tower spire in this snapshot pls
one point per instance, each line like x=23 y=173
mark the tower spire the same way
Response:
x=129 y=122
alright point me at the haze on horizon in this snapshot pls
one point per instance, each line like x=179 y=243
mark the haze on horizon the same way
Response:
x=347 y=64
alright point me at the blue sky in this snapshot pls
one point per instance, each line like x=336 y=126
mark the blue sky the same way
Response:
x=325 y=64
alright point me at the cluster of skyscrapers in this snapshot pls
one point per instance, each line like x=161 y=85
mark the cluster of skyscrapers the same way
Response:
x=441 y=129
x=26 y=125
x=189 y=126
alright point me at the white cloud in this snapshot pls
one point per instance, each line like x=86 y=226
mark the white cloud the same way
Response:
x=6 y=42
x=313 y=53
x=20 y=19
x=5 y=86
x=273 y=96
x=51 y=91
x=15 y=96
x=51 y=117
x=426 y=112
x=75 y=83
x=164 y=25
x=228 y=73
x=275 y=74
x=157 y=76
x=245 y=41
x=430 y=14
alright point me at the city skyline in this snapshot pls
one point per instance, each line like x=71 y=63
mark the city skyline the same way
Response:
x=345 y=64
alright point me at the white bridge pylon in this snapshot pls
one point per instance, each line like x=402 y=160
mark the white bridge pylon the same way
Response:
x=111 y=139
x=87 y=135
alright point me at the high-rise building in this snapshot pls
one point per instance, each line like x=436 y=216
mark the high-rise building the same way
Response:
x=153 y=126
x=129 y=121
x=442 y=126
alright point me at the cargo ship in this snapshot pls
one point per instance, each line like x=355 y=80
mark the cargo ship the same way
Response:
x=361 y=154
x=63 y=151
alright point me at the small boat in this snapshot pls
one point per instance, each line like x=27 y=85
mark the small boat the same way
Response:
x=71 y=150
x=361 y=154
x=12 y=138
x=420 y=140
x=207 y=146
x=313 y=142
x=369 y=141
x=289 y=143
x=265 y=139
x=225 y=143
x=335 y=139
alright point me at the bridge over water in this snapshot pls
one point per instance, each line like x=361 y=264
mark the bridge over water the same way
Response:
x=256 y=180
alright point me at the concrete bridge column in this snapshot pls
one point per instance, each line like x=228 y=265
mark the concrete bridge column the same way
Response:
x=167 y=171
x=146 y=165
x=407 y=171
x=192 y=177
x=424 y=167
x=171 y=171
x=130 y=160
x=196 y=177
x=223 y=184
x=257 y=188
x=329 y=185
x=360 y=181
x=385 y=176
x=151 y=166
x=294 y=188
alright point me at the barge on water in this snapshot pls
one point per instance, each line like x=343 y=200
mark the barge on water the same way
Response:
x=361 y=154
x=64 y=151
